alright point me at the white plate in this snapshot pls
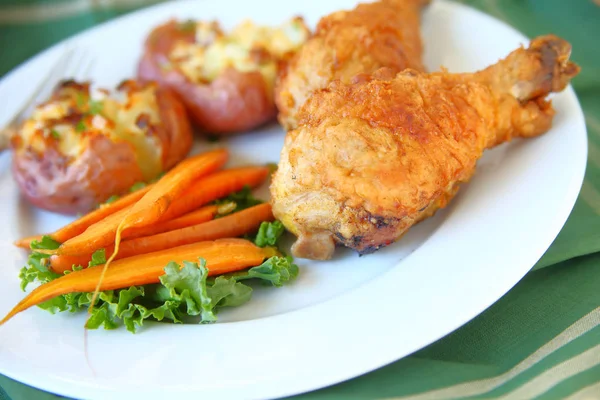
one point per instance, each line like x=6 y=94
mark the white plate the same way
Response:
x=341 y=318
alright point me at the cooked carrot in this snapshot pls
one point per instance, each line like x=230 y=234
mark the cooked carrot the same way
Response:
x=216 y=186
x=25 y=242
x=222 y=256
x=104 y=232
x=212 y=187
x=199 y=216
x=62 y=263
x=150 y=208
x=81 y=224
x=237 y=224
x=95 y=237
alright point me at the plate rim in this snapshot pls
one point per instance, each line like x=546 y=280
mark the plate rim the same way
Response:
x=576 y=182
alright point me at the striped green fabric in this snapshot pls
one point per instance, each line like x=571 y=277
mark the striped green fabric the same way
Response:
x=542 y=339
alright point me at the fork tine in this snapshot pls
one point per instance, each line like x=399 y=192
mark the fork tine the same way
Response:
x=87 y=68
x=80 y=70
x=53 y=79
x=71 y=67
x=47 y=80
x=75 y=66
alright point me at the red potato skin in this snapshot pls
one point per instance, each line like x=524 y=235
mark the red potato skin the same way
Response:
x=235 y=101
x=50 y=182
x=177 y=137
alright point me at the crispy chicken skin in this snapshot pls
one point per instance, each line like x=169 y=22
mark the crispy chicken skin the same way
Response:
x=371 y=159
x=347 y=43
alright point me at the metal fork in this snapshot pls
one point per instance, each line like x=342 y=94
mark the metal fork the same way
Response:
x=72 y=64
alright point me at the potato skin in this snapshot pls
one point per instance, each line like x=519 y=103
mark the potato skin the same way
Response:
x=235 y=101
x=51 y=182
x=75 y=185
x=178 y=136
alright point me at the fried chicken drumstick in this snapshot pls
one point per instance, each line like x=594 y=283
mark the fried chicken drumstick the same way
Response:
x=346 y=43
x=371 y=159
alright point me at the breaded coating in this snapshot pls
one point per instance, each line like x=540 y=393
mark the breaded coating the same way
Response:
x=346 y=43
x=371 y=159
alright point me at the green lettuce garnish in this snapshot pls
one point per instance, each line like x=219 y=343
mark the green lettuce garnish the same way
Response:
x=243 y=199
x=276 y=270
x=46 y=243
x=98 y=258
x=185 y=291
x=269 y=234
x=112 y=199
x=36 y=269
x=137 y=186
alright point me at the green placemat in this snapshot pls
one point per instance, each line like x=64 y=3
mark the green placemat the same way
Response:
x=542 y=339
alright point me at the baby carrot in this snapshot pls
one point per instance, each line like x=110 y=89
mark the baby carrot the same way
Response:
x=199 y=216
x=237 y=224
x=62 y=263
x=216 y=186
x=95 y=237
x=150 y=208
x=25 y=243
x=212 y=187
x=222 y=256
x=81 y=224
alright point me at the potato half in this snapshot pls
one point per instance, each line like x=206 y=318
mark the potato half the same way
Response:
x=225 y=80
x=83 y=146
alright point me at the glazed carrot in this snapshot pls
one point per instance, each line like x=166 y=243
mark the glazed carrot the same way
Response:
x=81 y=224
x=25 y=242
x=233 y=225
x=216 y=186
x=62 y=263
x=210 y=188
x=95 y=237
x=199 y=216
x=150 y=208
x=222 y=256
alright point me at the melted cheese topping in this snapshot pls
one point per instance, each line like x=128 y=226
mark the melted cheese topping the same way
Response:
x=72 y=117
x=46 y=124
x=247 y=48
x=148 y=147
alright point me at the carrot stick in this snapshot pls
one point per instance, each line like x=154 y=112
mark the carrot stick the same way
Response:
x=81 y=224
x=233 y=225
x=222 y=256
x=212 y=187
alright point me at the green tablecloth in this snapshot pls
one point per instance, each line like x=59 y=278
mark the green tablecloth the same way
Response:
x=542 y=339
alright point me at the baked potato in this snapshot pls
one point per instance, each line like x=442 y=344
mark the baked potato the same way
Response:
x=225 y=80
x=83 y=146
